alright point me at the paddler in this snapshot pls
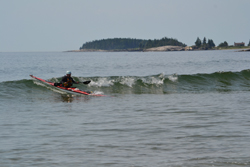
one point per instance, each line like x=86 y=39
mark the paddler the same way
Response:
x=67 y=81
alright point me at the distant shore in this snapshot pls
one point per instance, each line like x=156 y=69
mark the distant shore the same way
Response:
x=161 y=49
x=155 y=49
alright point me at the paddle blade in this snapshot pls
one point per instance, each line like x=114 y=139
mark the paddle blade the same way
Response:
x=57 y=84
x=86 y=82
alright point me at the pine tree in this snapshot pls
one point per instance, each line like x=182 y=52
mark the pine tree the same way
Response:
x=204 y=41
x=198 y=42
x=210 y=43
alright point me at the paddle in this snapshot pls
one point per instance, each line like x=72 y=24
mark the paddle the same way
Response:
x=86 y=82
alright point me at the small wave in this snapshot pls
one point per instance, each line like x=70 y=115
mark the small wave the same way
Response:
x=221 y=81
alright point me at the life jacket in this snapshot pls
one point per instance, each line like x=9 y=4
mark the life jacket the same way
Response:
x=69 y=82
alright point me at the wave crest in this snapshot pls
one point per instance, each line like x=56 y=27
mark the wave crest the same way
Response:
x=156 y=84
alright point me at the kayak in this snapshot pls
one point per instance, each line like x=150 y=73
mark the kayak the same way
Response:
x=71 y=90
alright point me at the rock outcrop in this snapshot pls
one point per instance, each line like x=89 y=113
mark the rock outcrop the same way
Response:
x=165 y=48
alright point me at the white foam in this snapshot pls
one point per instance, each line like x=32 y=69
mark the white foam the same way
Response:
x=102 y=82
x=157 y=81
x=97 y=93
x=153 y=80
x=128 y=81
x=161 y=75
x=173 y=77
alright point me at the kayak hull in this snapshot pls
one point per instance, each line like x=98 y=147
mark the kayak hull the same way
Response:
x=74 y=91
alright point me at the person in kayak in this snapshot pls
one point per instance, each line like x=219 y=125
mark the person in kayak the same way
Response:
x=67 y=81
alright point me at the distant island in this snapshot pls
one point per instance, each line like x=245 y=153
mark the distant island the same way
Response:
x=163 y=44
x=130 y=44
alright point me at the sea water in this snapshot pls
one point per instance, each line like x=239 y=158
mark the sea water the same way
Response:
x=161 y=109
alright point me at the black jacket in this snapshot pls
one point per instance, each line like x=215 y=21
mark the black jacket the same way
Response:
x=69 y=81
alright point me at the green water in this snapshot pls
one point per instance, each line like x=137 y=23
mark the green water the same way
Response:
x=163 y=109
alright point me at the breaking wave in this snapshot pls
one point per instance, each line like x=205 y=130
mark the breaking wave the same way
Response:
x=154 y=84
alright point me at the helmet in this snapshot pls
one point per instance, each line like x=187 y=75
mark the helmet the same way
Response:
x=68 y=72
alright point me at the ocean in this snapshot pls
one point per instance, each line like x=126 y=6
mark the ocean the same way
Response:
x=161 y=109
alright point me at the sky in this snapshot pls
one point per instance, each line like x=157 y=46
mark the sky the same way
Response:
x=61 y=25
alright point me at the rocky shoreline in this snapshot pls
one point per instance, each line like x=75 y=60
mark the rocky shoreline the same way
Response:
x=165 y=48
x=247 y=50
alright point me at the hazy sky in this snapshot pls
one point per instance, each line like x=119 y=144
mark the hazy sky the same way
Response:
x=60 y=25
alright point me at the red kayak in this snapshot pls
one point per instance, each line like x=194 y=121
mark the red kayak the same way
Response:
x=72 y=90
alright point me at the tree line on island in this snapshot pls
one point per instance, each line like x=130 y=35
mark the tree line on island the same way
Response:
x=130 y=43
x=142 y=44
x=204 y=45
